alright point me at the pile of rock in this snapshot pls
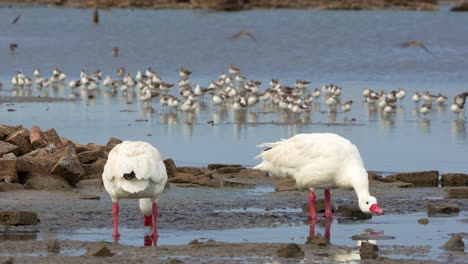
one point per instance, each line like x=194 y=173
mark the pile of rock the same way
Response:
x=42 y=160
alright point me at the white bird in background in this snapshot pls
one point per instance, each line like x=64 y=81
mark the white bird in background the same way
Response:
x=322 y=161
x=135 y=170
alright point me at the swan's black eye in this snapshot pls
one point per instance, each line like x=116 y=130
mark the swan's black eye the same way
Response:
x=367 y=202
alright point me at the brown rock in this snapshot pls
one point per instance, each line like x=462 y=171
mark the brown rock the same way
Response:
x=283 y=184
x=20 y=138
x=7 y=187
x=172 y=261
x=5 y=131
x=213 y=183
x=6 y=260
x=201 y=179
x=88 y=147
x=237 y=184
x=6 y=148
x=463 y=7
x=94 y=170
x=319 y=207
x=52 y=137
x=48 y=183
x=457 y=193
x=351 y=211
x=290 y=250
x=373 y=176
x=252 y=173
x=99 y=250
x=69 y=167
x=368 y=251
x=180 y=177
x=36 y=163
x=171 y=168
x=37 y=138
x=217 y=166
x=225 y=170
x=442 y=207
x=8 y=170
x=91 y=156
x=317 y=240
x=191 y=170
x=422 y=178
x=112 y=143
x=455 y=243
x=423 y=221
x=53 y=246
x=18 y=218
x=455 y=179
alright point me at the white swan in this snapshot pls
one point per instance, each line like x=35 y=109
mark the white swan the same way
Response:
x=322 y=161
x=135 y=170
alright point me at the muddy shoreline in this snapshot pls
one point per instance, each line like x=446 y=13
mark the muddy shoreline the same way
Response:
x=237 y=5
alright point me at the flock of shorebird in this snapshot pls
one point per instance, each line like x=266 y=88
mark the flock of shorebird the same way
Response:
x=233 y=89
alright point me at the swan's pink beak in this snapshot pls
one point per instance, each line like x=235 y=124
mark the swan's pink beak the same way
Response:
x=376 y=210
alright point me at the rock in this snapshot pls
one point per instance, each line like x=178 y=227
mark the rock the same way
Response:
x=442 y=207
x=351 y=211
x=53 y=138
x=180 y=177
x=36 y=163
x=6 y=148
x=37 y=138
x=94 y=170
x=457 y=193
x=5 y=131
x=99 y=250
x=225 y=170
x=213 y=183
x=8 y=170
x=317 y=240
x=8 y=187
x=319 y=207
x=421 y=178
x=454 y=179
x=251 y=173
x=283 y=184
x=463 y=7
x=423 y=221
x=368 y=251
x=172 y=261
x=48 y=183
x=455 y=243
x=191 y=170
x=217 y=166
x=91 y=156
x=69 y=167
x=20 y=138
x=373 y=176
x=112 y=143
x=400 y=184
x=16 y=218
x=237 y=184
x=53 y=246
x=201 y=179
x=171 y=168
x=290 y=250
x=89 y=197
x=6 y=260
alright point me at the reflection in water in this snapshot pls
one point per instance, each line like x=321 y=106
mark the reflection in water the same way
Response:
x=426 y=125
x=331 y=118
x=458 y=128
x=327 y=225
x=252 y=117
x=148 y=241
x=240 y=116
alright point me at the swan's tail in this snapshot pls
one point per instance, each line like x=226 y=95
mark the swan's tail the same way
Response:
x=146 y=207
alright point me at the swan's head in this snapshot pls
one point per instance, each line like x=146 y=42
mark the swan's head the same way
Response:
x=369 y=205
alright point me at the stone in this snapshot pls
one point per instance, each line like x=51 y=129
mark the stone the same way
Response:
x=37 y=138
x=5 y=131
x=442 y=207
x=172 y=261
x=319 y=207
x=191 y=170
x=373 y=176
x=351 y=211
x=252 y=173
x=6 y=148
x=36 y=163
x=99 y=250
x=8 y=170
x=368 y=251
x=201 y=179
x=462 y=7
x=423 y=221
x=225 y=170
x=420 y=179
x=283 y=184
x=6 y=260
x=213 y=183
x=112 y=143
x=217 y=166
x=237 y=184
x=454 y=179
x=8 y=187
x=48 y=183
x=53 y=246
x=94 y=170
x=180 y=177
x=20 y=138
x=91 y=156
x=317 y=240
x=455 y=243
x=52 y=137
x=291 y=250
x=457 y=193
x=16 y=218
x=171 y=168
x=69 y=167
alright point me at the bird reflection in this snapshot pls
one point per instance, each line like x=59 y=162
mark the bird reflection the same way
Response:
x=252 y=117
x=148 y=241
x=170 y=118
x=426 y=125
x=331 y=118
x=458 y=128
x=327 y=224
x=240 y=116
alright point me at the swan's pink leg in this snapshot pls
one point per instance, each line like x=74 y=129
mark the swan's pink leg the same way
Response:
x=154 y=233
x=115 y=213
x=312 y=213
x=328 y=210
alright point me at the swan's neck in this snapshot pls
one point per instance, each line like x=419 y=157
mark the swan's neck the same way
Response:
x=360 y=184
